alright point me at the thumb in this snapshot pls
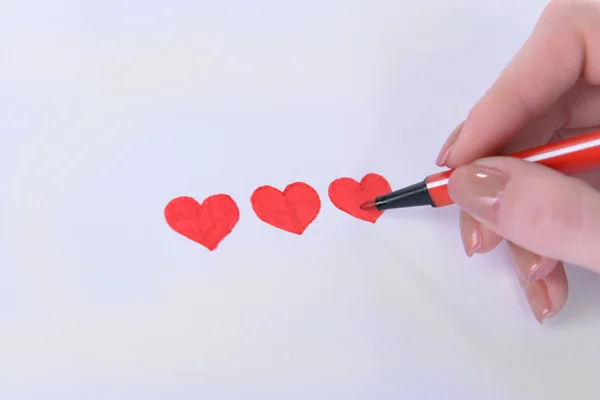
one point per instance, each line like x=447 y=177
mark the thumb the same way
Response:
x=535 y=207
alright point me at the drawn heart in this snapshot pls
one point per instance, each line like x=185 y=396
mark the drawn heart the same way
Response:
x=207 y=223
x=348 y=195
x=292 y=210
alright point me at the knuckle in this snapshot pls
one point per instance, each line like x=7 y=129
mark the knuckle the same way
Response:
x=561 y=220
x=566 y=25
x=545 y=217
x=566 y=214
x=569 y=11
x=557 y=9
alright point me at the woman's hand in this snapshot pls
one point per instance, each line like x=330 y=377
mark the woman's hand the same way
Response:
x=550 y=91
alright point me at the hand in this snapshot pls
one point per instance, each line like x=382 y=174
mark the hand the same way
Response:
x=549 y=91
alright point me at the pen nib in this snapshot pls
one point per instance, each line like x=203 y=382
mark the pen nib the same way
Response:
x=368 y=205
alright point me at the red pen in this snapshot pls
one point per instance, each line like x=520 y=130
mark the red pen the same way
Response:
x=578 y=154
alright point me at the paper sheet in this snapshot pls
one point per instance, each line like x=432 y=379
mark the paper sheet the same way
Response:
x=111 y=110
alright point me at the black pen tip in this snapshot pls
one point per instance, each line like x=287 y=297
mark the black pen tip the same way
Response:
x=368 y=205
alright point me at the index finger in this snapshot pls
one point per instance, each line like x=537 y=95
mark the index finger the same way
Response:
x=559 y=52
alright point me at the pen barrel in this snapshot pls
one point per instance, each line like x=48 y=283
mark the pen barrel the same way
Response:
x=437 y=185
x=570 y=156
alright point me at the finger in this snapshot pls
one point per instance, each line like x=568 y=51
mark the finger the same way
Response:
x=575 y=114
x=538 y=132
x=547 y=296
x=475 y=237
x=592 y=178
x=581 y=107
x=534 y=207
x=546 y=67
x=531 y=266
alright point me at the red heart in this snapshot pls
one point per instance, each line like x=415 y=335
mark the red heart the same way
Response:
x=291 y=210
x=207 y=223
x=348 y=195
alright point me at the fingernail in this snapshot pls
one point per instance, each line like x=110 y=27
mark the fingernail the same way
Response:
x=477 y=190
x=445 y=151
x=470 y=233
x=538 y=298
x=526 y=262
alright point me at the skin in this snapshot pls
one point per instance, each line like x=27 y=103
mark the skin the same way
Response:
x=549 y=91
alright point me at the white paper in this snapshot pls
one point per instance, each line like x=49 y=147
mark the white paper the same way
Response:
x=111 y=109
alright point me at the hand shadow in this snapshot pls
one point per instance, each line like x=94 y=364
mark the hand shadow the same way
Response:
x=583 y=302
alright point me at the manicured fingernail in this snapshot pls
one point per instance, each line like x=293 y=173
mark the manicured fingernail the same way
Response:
x=445 y=151
x=470 y=233
x=527 y=262
x=477 y=190
x=538 y=298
